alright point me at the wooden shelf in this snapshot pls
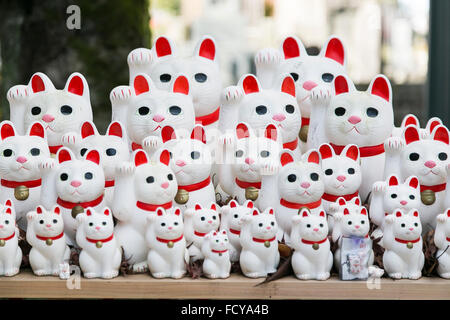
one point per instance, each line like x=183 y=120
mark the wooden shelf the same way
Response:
x=143 y=286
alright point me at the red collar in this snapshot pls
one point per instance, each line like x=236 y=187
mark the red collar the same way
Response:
x=245 y=184
x=263 y=240
x=51 y=238
x=14 y=233
x=54 y=149
x=448 y=239
x=196 y=186
x=291 y=145
x=305 y=121
x=135 y=146
x=435 y=188
x=364 y=152
x=28 y=184
x=169 y=240
x=70 y=205
x=100 y=240
x=199 y=234
x=312 y=242
x=406 y=241
x=153 y=207
x=208 y=119
x=238 y=232
x=109 y=183
x=333 y=198
x=293 y=205
x=219 y=251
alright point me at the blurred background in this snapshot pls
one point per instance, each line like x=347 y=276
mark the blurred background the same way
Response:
x=408 y=40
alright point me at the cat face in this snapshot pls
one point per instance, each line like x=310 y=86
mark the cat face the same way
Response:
x=218 y=240
x=361 y=118
x=154 y=183
x=60 y=111
x=47 y=223
x=21 y=155
x=355 y=222
x=205 y=220
x=407 y=226
x=312 y=71
x=168 y=224
x=251 y=151
x=79 y=180
x=301 y=181
x=313 y=227
x=150 y=109
x=426 y=158
x=235 y=212
x=263 y=224
x=404 y=196
x=190 y=157
x=341 y=173
x=278 y=106
x=7 y=219
x=98 y=225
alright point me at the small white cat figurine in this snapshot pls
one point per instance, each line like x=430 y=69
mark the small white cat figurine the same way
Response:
x=403 y=256
x=217 y=257
x=312 y=258
x=10 y=252
x=442 y=242
x=259 y=255
x=45 y=233
x=100 y=255
x=168 y=255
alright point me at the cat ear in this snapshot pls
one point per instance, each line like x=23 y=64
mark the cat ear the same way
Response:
x=250 y=84
x=322 y=214
x=115 y=129
x=314 y=157
x=342 y=84
x=413 y=182
x=440 y=133
x=37 y=129
x=415 y=213
x=164 y=157
x=224 y=232
x=357 y=201
x=198 y=133
x=8 y=211
x=242 y=131
x=39 y=210
x=94 y=156
x=286 y=157
x=351 y=151
x=255 y=212
x=341 y=201
x=249 y=204
x=106 y=212
x=77 y=84
x=334 y=49
x=233 y=204
x=393 y=181
x=304 y=213
x=7 y=130
x=160 y=211
x=448 y=212
x=8 y=203
x=398 y=213
x=288 y=85
x=181 y=85
x=64 y=154
x=213 y=207
x=207 y=48
x=88 y=212
x=326 y=151
x=141 y=84
x=364 y=211
x=346 y=212
x=57 y=210
x=177 y=211
x=410 y=119
x=163 y=47
x=271 y=132
x=433 y=123
x=381 y=87
x=40 y=82
x=292 y=48
x=411 y=134
x=167 y=133
x=87 y=129
x=198 y=207
x=140 y=157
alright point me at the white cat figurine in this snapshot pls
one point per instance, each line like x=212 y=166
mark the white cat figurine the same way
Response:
x=442 y=242
x=217 y=256
x=10 y=252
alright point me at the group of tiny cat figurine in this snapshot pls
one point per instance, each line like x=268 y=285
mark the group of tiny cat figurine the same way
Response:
x=297 y=148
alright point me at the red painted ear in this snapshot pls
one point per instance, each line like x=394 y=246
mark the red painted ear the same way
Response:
x=106 y=212
x=393 y=181
x=250 y=84
x=340 y=85
x=115 y=129
x=233 y=204
x=346 y=212
x=39 y=210
x=441 y=134
x=380 y=88
x=271 y=211
x=224 y=232
x=198 y=207
x=416 y=213
x=288 y=86
x=88 y=212
x=167 y=133
x=398 y=214
x=255 y=212
x=335 y=51
x=305 y=213
x=76 y=86
x=37 y=129
x=434 y=124
x=198 y=133
x=8 y=203
x=93 y=156
x=286 y=158
x=414 y=182
x=7 y=130
x=63 y=155
x=181 y=85
x=140 y=85
x=250 y=204
x=37 y=84
x=159 y=211
x=411 y=134
x=242 y=131
x=177 y=211
x=352 y=152
x=215 y=233
x=364 y=211
x=342 y=202
x=448 y=212
x=357 y=201
x=57 y=210
x=213 y=207
x=87 y=129
x=162 y=46
x=314 y=157
x=207 y=49
x=410 y=120
x=271 y=132
x=325 y=151
x=290 y=48
x=8 y=211
x=164 y=157
x=140 y=157
x=322 y=214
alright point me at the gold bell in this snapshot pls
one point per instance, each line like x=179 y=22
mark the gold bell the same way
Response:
x=21 y=193
x=428 y=197
x=251 y=193
x=303 y=134
x=409 y=245
x=170 y=244
x=182 y=196
x=267 y=243
x=315 y=246
x=77 y=210
x=49 y=242
x=2 y=243
x=99 y=244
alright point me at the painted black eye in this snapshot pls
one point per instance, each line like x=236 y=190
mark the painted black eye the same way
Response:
x=272 y=223
x=111 y=152
x=412 y=197
x=6 y=221
x=294 y=76
x=264 y=153
x=175 y=223
x=349 y=223
x=35 y=111
x=64 y=177
x=104 y=223
x=371 y=112
x=175 y=110
x=260 y=224
x=327 y=77
x=289 y=108
x=239 y=153
x=55 y=221
x=203 y=218
x=143 y=111
x=403 y=225
x=339 y=111
x=236 y=216
x=261 y=110
x=170 y=177
x=214 y=217
x=91 y=224
x=363 y=222
x=7 y=153
x=308 y=225
x=292 y=178
x=442 y=156
x=150 y=179
x=35 y=152
x=351 y=171
x=41 y=221
x=314 y=176
x=195 y=155
x=329 y=172
x=200 y=77
x=416 y=224
x=321 y=225
x=88 y=175
x=394 y=195
x=66 y=110
x=414 y=156
x=165 y=77
x=83 y=151
x=163 y=224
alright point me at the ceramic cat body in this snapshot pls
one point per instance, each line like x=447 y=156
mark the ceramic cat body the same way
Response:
x=365 y=119
x=45 y=233
x=60 y=111
x=10 y=252
x=217 y=256
x=312 y=258
x=20 y=156
x=442 y=242
x=259 y=255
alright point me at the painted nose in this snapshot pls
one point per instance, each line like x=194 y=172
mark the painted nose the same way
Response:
x=279 y=117
x=430 y=164
x=411 y=229
x=165 y=185
x=354 y=119
x=170 y=228
x=210 y=221
x=1 y=226
x=48 y=118
x=268 y=228
x=316 y=229
x=180 y=163
x=97 y=228
x=403 y=202
x=305 y=185
x=158 y=118
x=75 y=183
x=308 y=85
x=48 y=225
x=357 y=227
x=341 y=178
x=21 y=159
x=249 y=161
